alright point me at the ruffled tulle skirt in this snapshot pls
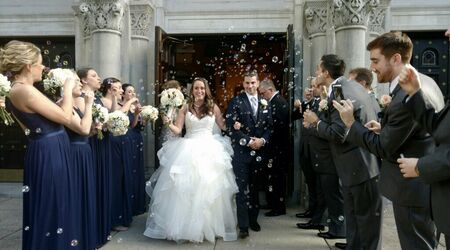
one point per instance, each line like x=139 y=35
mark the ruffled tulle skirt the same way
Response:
x=192 y=193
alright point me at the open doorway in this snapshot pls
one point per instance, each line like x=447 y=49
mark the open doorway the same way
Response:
x=222 y=59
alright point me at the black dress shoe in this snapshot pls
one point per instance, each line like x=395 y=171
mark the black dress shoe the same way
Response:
x=340 y=245
x=309 y=225
x=243 y=233
x=329 y=236
x=255 y=227
x=272 y=213
x=307 y=214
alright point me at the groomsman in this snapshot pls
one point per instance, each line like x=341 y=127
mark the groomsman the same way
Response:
x=328 y=188
x=357 y=168
x=305 y=154
x=278 y=150
x=399 y=136
x=253 y=114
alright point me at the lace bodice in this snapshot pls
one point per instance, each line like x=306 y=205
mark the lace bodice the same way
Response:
x=196 y=126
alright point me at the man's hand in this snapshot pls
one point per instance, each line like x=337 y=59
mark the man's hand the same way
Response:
x=408 y=167
x=298 y=105
x=373 y=126
x=409 y=80
x=310 y=117
x=345 y=111
x=255 y=143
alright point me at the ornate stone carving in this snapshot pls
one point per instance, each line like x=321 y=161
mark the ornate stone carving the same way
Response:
x=101 y=14
x=141 y=19
x=352 y=12
x=377 y=20
x=316 y=16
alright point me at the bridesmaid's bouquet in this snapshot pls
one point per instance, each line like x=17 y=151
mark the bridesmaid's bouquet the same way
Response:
x=117 y=123
x=149 y=113
x=99 y=116
x=170 y=99
x=54 y=82
x=5 y=87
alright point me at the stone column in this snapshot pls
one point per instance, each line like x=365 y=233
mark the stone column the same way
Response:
x=316 y=24
x=351 y=20
x=104 y=18
x=141 y=16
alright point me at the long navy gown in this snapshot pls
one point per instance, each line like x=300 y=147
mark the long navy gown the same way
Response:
x=47 y=213
x=122 y=161
x=137 y=144
x=101 y=150
x=83 y=188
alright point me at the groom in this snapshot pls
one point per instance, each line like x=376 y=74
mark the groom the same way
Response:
x=248 y=143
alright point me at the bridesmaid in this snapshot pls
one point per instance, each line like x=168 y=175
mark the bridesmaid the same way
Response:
x=46 y=209
x=121 y=210
x=166 y=133
x=82 y=172
x=101 y=150
x=137 y=144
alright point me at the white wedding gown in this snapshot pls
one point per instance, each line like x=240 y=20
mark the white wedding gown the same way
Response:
x=193 y=198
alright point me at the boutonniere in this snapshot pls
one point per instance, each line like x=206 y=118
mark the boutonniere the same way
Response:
x=323 y=105
x=385 y=100
x=263 y=103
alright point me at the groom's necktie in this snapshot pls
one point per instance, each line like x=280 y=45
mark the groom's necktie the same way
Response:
x=254 y=103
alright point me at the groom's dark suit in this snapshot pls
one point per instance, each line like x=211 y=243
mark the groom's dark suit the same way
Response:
x=247 y=165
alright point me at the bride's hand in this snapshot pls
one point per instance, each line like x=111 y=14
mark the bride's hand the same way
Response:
x=237 y=125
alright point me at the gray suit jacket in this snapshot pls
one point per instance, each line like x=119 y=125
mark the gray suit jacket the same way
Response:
x=354 y=164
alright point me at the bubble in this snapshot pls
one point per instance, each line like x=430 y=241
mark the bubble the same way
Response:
x=252 y=153
x=267 y=53
x=119 y=240
x=271 y=38
x=258 y=158
x=26 y=228
x=254 y=42
x=49 y=42
x=243 y=142
x=74 y=243
x=292 y=69
x=46 y=52
x=65 y=63
x=281 y=199
x=109 y=237
x=341 y=218
x=270 y=188
x=275 y=59
x=142 y=88
x=285 y=70
x=231 y=28
x=269 y=165
x=47 y=234
x=25 y=189
x=59 y=231
x=297 y=52
x=243 y=47
x=38 y=130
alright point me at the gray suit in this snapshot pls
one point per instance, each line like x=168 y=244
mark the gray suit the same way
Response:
x=357 y=168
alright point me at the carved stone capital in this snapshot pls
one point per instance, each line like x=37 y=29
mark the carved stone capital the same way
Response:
x=141 y=19
x=377 y=18
x=101 y=14
x=352 y=12
x=316 y=19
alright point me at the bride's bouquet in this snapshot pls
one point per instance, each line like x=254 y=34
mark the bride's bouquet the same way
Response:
x=5 y=87
x=99 y=116
x=149 y=113
x=117 y=123
x=170 y=99
x=54 y=82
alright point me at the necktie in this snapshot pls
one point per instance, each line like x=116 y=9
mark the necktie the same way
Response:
x=254 y=103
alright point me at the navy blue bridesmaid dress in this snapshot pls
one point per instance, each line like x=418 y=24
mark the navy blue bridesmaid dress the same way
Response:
x=101 y=150
x=83 y=188
x=122 y=161
x=47 y=213
x=137 y=143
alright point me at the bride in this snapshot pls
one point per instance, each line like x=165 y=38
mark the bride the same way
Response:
x=193 y=198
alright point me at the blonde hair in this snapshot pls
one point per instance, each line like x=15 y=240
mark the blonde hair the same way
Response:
x=15 y=55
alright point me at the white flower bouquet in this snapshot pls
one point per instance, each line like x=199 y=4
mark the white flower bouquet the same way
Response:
x=54 y=82
x=385 y=100
x=149 y=113
x=323 y=105
x=117 y=123
x=170 y=99
x=99 y=116
x=5 y=87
